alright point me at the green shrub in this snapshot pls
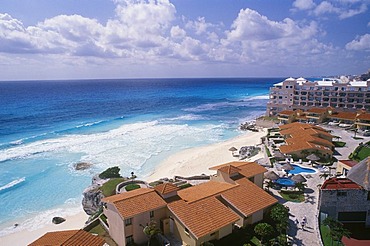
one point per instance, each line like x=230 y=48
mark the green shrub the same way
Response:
x=132 y=187
x=185 y=186
x=112 y=172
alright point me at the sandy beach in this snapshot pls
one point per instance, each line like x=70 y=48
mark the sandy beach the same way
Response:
x=196 y=161
x=189 y=162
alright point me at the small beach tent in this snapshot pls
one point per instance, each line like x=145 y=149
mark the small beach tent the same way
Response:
x=299 y=178
x=271 y=175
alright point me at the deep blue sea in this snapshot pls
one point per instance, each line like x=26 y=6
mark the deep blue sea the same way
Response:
x=48 y=126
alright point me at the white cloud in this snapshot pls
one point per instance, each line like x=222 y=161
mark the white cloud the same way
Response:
x=352 y=12
x=343 y=8
x=360 y=43
x=177 y=32
x=200 y=25
x=303 y=4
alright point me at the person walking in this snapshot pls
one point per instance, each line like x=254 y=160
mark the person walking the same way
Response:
x=303 y=224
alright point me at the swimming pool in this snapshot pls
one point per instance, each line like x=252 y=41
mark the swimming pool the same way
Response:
x=298 y=169
x=285 y=182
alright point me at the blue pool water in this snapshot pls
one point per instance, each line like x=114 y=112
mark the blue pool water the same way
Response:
x=298 y=169
x=285 y=182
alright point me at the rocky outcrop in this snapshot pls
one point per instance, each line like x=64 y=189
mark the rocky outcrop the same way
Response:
x=58 y=220
x=82 y=166
x=92 y=196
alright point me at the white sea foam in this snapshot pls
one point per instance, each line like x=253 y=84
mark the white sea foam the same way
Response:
x=264 y=97
x=90 y=124
x=129 y=146
x=187 y=117
x=12 y=184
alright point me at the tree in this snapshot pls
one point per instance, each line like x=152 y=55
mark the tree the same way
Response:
x=112 y=172
x=263 y=230
x=279 y=213
x=336 y=229
x=300 y=186
x=150 y=230
x=269 y=184
x=324 y=175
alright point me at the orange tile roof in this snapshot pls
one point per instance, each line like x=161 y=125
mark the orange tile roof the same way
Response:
x=204 y=216
x=204 y=190
x=286 y=112
x=230 y=169
x=247 y=169
x=252 y=200
x=317 y=110
x=364 y=116
x=136 y=202
x=166 y=188
x=68 y=238
x=343 y=115
x=349 y=163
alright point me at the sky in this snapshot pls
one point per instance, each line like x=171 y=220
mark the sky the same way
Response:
x=87 y=39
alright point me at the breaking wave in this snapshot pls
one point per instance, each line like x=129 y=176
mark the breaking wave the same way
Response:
x=12 y=184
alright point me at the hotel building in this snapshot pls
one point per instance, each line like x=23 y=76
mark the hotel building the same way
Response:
x=292 y=94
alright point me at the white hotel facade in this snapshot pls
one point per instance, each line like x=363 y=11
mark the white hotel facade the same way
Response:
x=292 y=94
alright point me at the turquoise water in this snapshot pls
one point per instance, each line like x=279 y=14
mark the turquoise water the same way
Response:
x=47 y=126
x=285 y=182
x=298 y=169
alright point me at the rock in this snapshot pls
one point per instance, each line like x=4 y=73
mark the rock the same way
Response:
x=58 y=220
x=82 y=166
x=91 y=201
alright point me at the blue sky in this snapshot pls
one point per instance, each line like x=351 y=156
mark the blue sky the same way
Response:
x=71 y=39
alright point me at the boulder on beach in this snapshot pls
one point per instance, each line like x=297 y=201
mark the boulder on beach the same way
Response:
x=82 y=166
x=58 y=220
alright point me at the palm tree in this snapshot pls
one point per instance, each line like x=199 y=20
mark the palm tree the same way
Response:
x=150 y=230
x=269 y=184
x=300 y=186
x=324 y=175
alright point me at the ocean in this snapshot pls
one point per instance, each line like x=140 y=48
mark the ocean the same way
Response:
x=48 y=126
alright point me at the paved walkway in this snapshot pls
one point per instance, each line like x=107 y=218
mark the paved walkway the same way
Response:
x=308 y=236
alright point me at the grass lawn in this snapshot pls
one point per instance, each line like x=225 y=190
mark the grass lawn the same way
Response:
x=293 y=196
x=109 y=188
x=362 y=153
x=339 y=144
x=256 y=241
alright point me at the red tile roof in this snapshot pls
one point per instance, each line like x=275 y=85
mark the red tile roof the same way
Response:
x=136 y=202
x=364 y=116
x=68 y=238
x=349 y=163
x=204 y=216
x=343 y=115
x=286 y=112
x=339 y=184
x=166 y=188
x=317 y=110
x=247 y=169
x=355 y=242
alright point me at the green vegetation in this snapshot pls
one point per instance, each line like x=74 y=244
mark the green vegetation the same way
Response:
x=155 y=183
x=184 y=186
x=332 y=231
x=267 y=151
x=98 y=229
x=109 y=188
x=339 y=144
x=131 y=187
x=293 y=196
x=361 y=152
x=264 y=230
x=112 y=172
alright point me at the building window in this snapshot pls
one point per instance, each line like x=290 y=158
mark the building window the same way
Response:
x=341 y=193
x=368 y=195
x=212 y=234
x=187 y=231
x=128 y=222
x=129 y=239
x=151 y=214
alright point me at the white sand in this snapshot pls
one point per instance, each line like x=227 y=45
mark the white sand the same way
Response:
x=26 y=237
x=189 y=162
x=196 y=161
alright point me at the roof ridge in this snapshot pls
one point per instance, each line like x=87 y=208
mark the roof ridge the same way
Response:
x=71 y=236
x=144 y=191
x=213 y=195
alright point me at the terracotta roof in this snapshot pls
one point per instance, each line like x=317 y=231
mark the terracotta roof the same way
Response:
x=68 y=238
x=317 y=110
x=166 y=188
x=247 y=169
x=286 y=112
x=349 y=163
x=339 y=184
x=204 y=190
x=364 y=116
x=343 y=115
x=355 y=242
x=252 y=199
x=230 y=169
x=204 y=216
x=136 y=202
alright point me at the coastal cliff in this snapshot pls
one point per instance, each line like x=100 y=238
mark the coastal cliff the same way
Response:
x=92 y=196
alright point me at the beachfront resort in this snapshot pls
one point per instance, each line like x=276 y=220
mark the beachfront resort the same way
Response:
x=306 y=183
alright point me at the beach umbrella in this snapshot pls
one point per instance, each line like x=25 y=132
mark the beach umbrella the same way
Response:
x=299 y=178
x=287 y=166
x=271 y=175
x=279 y=155
x=313 y=157
x=233 y=149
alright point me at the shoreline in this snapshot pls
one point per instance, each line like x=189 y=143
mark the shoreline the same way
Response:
x=187 y=162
